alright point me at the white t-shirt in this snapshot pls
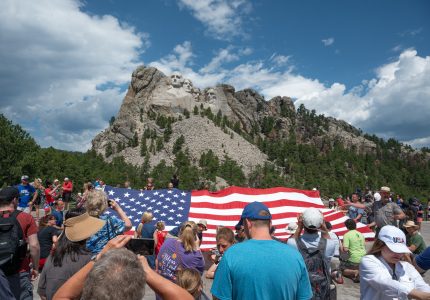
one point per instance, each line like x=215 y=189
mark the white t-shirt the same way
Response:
x=376 y=279
x=334 y=237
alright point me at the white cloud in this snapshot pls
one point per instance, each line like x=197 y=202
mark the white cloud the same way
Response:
x=328 y=42
x=61 y=69
x=223 y=18
x=279 y=60
x=223 y=56
x=397 y=48
x=411 y=32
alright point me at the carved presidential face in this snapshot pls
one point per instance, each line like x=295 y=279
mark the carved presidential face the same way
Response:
x=176 y=79
x=188 y=85
x=210 y=94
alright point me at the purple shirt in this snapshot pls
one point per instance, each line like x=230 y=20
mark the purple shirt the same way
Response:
x=172 y=255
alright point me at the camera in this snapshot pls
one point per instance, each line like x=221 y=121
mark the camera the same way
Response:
x=141 y=246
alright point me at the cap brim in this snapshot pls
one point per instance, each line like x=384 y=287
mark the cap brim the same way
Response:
x=240 y=223
x=83 y=230
x=398 y=248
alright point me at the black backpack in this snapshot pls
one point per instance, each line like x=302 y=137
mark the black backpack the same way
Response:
x=317 y=268
x=13 y=246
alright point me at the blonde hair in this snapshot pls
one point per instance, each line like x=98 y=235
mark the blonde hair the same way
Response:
x=190 y=280
x=226 y=234
x=187 y=235
x=37 y=183
x=96 y=202
x=376 y=248
x=160 y=225
x=147 y=217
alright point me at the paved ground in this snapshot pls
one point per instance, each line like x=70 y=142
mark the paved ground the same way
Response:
x=346 y=291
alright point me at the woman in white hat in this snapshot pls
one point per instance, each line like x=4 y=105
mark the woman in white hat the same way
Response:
x=383 y=274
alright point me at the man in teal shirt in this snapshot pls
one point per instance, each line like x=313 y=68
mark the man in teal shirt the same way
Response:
x=260 y=268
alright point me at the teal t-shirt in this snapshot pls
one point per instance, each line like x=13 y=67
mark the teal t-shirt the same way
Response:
x=261 y=269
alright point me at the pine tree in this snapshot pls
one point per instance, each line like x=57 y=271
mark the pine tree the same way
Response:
x=111 y=121
x=143 y=147
x=108 y=150
x=177 y=146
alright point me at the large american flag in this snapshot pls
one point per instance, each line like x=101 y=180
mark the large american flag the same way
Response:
x=225 y=208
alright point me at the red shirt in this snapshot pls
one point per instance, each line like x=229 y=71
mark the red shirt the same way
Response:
x=49 y=198
x=161 y=236
x=340 y=202
x=67 y=186
x=28 y=227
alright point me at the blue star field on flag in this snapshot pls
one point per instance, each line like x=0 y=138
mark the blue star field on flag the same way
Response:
x=170 y=206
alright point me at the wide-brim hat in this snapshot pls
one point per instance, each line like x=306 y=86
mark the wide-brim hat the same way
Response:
x=385 y=189
x=204 y=223
x=82 y=227
x=410 y=224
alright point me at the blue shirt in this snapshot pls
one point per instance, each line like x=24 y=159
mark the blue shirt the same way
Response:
x=58 y=217
x=25 y=194
x=111 y=229
x=423 y=259
x=353 y=212
x=261 y=269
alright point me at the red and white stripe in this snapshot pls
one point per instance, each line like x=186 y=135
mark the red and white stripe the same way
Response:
x=225 y=208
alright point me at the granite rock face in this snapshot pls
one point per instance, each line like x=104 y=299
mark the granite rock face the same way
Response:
x=153 y=93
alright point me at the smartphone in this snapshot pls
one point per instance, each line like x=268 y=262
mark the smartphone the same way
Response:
x=141 y=246
x=110 y=203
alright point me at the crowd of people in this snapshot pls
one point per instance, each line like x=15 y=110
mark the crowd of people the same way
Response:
x=75 y=250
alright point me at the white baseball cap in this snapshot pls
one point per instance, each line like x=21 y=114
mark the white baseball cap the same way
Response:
x=394 y=238
x=377 y=196
x=292 y=227
x=312 y=218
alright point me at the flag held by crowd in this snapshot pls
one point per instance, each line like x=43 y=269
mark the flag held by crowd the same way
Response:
x=224 y=208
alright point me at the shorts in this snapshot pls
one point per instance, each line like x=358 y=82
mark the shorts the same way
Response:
x=24 y=209
x=37 y=201
x=348 y=265
x=67 y=197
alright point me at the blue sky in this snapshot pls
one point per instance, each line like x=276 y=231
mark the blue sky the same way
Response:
x=65 y=65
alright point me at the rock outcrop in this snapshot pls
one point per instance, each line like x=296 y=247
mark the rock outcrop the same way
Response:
x=152 y=94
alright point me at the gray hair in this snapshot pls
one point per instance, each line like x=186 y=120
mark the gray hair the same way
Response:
x=117 y=275
x=97 y=203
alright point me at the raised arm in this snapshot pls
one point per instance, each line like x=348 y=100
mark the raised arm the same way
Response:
x=115 y=206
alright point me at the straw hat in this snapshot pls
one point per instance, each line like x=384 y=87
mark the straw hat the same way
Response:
x=82 y=227
x=410 y=224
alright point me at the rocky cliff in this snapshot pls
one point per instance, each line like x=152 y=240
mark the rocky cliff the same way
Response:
x=218 y=118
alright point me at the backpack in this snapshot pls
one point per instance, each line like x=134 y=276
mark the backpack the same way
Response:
x=318 y=269
x=13 y=247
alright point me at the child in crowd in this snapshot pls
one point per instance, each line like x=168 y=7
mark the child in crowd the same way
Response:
x=191 y=280
x=159 y=236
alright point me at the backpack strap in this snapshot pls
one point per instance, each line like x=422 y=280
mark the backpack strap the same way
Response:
x=301 y=246
x=322 y=245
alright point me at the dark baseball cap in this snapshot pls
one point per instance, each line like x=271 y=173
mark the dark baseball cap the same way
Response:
x=9 y=193
x=255 y=211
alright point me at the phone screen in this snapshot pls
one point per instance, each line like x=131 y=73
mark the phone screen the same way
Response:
x=141 y=246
